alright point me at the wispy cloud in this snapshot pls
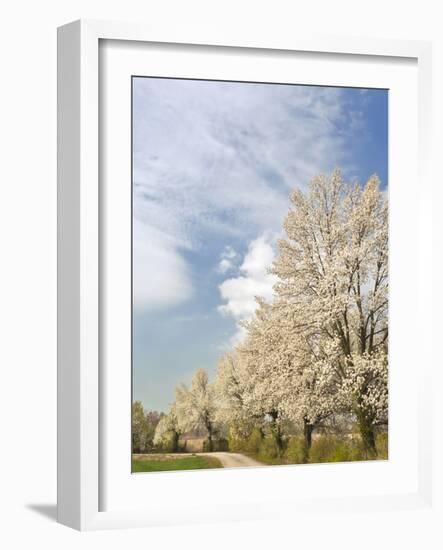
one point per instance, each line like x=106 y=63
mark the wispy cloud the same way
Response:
x=217 y=160
x=228 y=260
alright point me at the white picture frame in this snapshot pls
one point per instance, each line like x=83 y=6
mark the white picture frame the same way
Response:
x=80 y=395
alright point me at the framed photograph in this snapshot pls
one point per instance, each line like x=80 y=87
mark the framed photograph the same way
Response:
x=242 y=273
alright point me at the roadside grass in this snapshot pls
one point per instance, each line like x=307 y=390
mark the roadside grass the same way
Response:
x=325 y=448
x=192 y=462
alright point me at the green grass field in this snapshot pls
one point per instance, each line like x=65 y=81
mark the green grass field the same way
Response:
x=183 y=463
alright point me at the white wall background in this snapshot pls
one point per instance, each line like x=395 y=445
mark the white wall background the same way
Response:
x=28 y=259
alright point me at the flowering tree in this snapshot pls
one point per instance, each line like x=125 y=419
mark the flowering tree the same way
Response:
x=169 y=428
x=197 y=405
x=319 y=349
x=267 y=360
x=282 y=380
x=275 y=376
x=333 y=282
x=312 y=397
x=364 y=389
x=230 y=388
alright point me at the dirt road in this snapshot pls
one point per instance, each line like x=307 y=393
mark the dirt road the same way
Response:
x=233 y=460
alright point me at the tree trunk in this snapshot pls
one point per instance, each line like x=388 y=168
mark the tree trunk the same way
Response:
x=175 y=438
x=307 y=434
x=210 y=444
x=276 y=432
x=278 y=439
x=367 y=434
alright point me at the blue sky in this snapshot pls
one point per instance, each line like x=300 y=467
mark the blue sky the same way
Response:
x=213 y=166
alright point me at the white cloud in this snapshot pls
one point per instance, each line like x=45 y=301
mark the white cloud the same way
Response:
x=239 y=293
x=217 y=160
x=225 y=265
x=160 y=277
x=229 y=253
x=227 y=260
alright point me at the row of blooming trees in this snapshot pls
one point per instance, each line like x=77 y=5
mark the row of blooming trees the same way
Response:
x=318 y=352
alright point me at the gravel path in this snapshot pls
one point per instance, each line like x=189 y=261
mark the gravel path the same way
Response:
x=234 y=460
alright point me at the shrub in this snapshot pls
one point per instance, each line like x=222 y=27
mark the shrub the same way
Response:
x=250 y=444
x=167 y=445
x=164 y=445
x=344 y=451
x=381 y=443
x=295 y=451
x=236 y=444
x=321 y=449
x=268 y=451
x=328 y=448
x=217 y=445
x=254 y=442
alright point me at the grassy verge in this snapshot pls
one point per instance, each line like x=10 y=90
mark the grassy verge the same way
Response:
x=325 y=448
x=182 y=463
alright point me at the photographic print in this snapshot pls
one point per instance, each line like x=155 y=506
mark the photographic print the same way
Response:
x=259 y=274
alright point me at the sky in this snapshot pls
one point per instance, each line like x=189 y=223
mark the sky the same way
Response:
x=213 y=166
